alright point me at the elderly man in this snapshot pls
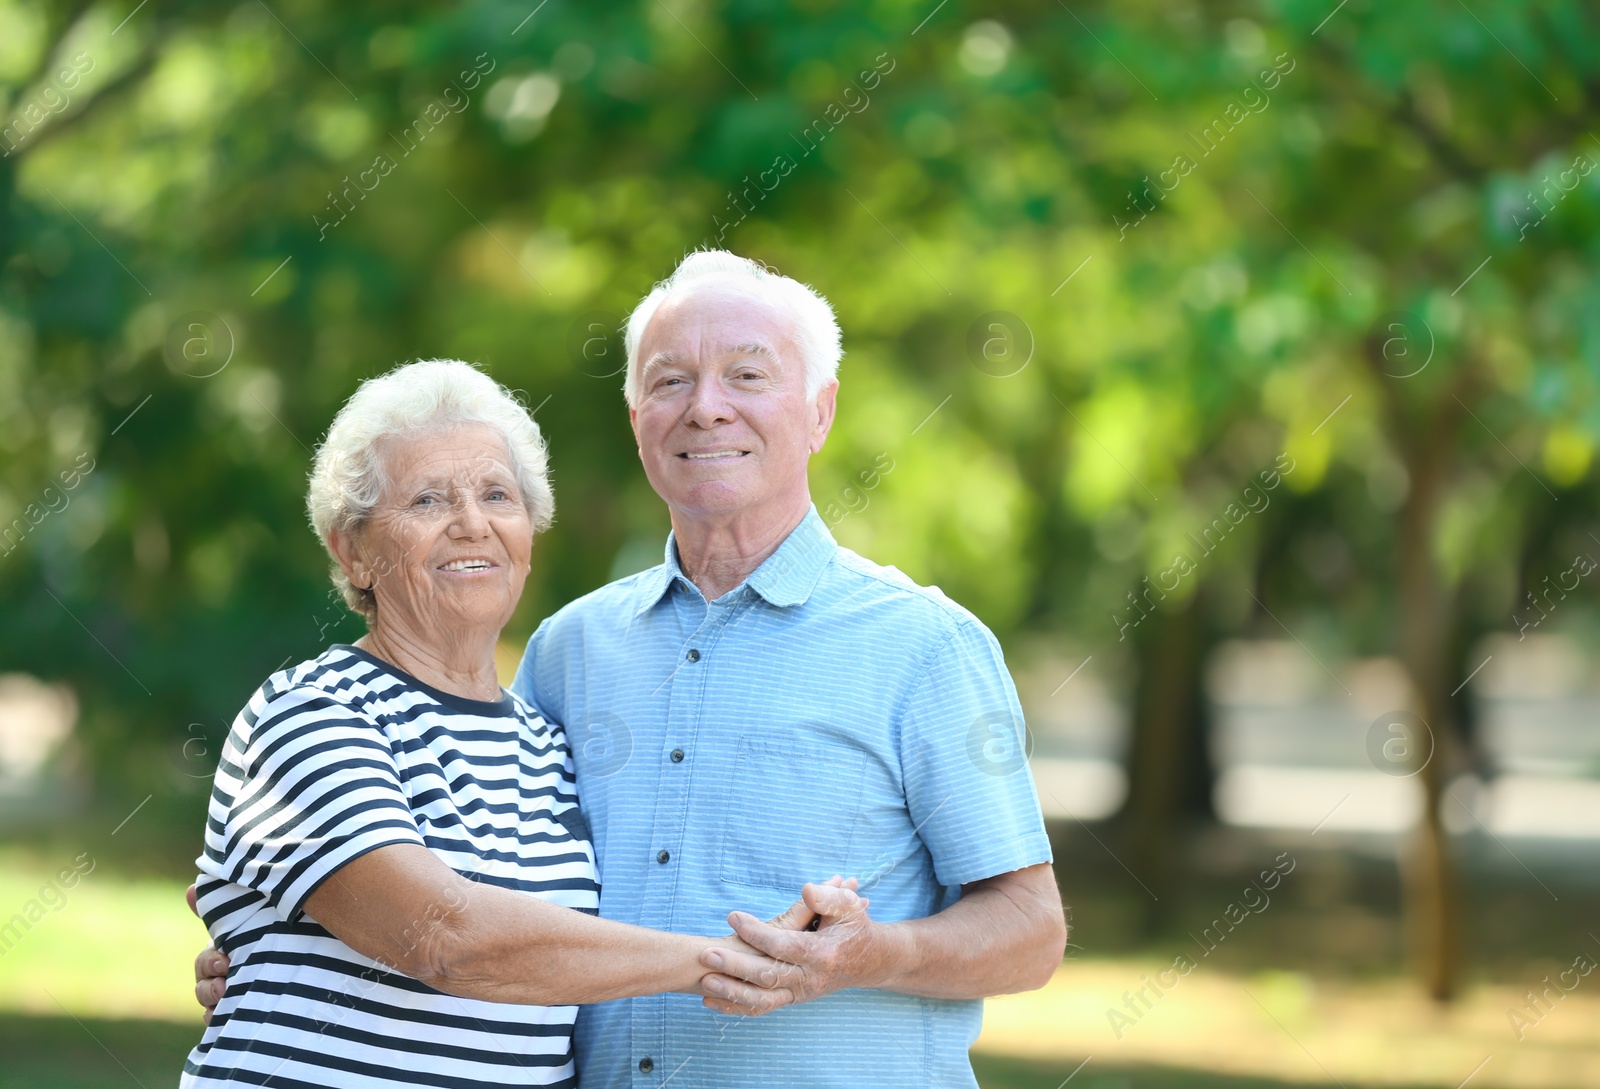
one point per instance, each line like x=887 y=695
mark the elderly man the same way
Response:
x=766 y=708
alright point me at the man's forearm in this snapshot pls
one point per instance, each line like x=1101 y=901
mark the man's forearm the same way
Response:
x=1005 y=934
x=1001 y=937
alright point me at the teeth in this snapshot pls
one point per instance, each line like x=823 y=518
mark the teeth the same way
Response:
x=467 y=565
x=716 y=454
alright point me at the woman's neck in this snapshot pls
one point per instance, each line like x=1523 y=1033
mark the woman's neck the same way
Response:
x=462 y=665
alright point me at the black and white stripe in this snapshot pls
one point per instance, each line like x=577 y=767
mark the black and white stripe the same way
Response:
x=331 y=759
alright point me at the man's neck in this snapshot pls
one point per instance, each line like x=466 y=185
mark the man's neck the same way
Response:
x=720 y=554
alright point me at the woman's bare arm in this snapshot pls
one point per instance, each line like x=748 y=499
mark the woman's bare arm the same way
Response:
x=403 y=907
x=394 y=935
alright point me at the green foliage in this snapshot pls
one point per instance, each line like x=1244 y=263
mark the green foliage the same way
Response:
x=206 y=179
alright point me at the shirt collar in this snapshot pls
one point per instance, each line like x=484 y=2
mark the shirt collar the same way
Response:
x=785 y=578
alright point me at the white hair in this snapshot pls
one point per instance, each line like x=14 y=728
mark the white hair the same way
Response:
x=430 y=395
x=816 y=330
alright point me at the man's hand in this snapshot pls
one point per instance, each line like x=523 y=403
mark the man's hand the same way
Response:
x=1004 y=935
x=846 y=949
x=210 y=969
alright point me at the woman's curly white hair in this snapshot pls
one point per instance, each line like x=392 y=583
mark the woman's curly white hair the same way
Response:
x=427 y=396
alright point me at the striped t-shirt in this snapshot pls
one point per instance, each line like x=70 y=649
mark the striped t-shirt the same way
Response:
x=331 y=759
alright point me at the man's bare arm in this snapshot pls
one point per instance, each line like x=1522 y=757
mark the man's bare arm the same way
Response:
x=1006 y=934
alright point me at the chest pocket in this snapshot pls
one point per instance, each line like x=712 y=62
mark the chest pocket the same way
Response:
x=793 y=805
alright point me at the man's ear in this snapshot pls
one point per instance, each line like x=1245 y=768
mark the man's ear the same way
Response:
x=633 y=422
x=827 y=405
x=346 y=551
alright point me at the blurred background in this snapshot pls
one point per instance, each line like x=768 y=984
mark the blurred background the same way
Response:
x=1237 y=363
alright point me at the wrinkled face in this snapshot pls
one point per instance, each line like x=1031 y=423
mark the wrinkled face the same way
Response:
x=723 y=424
x=448 y=545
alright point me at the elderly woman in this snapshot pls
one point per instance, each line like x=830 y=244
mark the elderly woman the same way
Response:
x=395 y=861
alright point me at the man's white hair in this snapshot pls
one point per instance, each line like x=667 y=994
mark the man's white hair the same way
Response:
x=428 y=396
x=816 y=330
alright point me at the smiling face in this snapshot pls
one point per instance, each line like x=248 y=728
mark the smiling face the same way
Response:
x=725 y=430
x=447 y=547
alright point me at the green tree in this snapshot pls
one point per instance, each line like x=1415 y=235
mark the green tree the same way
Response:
x=1098 y=268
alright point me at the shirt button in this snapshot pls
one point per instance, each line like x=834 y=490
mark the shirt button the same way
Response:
x=693 y=655
x=677 y=756
x=663 y=857
x=645 y=1065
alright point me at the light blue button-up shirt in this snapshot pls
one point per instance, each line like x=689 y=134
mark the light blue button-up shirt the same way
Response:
x=829 y=716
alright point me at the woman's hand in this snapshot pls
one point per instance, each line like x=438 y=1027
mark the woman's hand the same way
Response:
x=769 y=990
x=749 y=982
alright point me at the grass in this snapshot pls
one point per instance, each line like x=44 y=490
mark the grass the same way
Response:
x=99 y=993
x=1275 y=1024
x=998 y=1072
x=116 y=947
x=65 y=1052
x=77 y=1053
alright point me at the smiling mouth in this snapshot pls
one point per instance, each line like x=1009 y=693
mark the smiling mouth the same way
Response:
x=466 y=566
x=710 y=455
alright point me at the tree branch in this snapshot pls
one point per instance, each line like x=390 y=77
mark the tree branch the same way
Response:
x=139 y=69
x=1445 y=152
x=59 y=25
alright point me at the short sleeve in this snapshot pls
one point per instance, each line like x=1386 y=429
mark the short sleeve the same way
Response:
x=968 y=786
x=314 y=786
x=533 y=672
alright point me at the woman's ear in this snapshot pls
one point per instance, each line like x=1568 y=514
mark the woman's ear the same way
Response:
x=348 y=553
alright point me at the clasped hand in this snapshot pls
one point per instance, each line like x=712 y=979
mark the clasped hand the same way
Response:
x=824 y=943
